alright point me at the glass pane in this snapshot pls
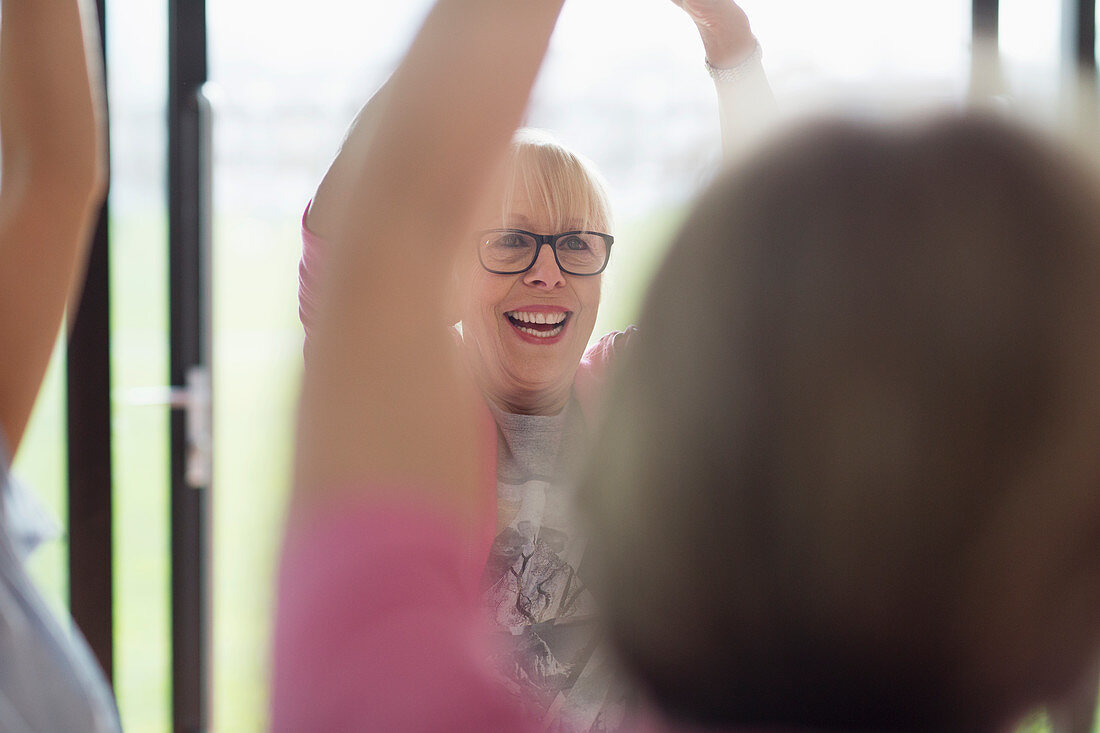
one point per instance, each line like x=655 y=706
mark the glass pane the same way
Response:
x=918 y=47
x=1031 y=51
x=285 y=85
x=270 y=107
x=137 y=68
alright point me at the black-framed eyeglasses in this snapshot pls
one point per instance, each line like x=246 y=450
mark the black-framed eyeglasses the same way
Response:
x=512 y=251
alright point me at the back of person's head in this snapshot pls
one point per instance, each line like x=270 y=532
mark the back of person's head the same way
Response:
x=850 y=479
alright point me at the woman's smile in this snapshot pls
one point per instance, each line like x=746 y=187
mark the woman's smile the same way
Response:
x=539 y=324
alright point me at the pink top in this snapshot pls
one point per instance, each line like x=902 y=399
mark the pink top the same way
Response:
x=377 y=628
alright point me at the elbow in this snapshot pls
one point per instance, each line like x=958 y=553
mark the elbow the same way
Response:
x=99 y=175
x=65 y=160
x=58 y=169
x=73 y=162
x=75 y=180
x=98 y=182
x=84 y=172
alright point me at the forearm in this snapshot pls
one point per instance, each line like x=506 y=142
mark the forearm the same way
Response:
x=452 y=107
x=746 y=106
x=50 y=99
x=745 y=101
x=52 y=182
x=454 y=103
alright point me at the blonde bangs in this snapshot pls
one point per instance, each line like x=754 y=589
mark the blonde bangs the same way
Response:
x=558 y=181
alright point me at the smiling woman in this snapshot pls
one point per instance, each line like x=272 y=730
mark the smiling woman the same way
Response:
x=520 y=365
x=526 y=313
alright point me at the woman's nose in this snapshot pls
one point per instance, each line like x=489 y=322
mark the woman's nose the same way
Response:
x=545 y=273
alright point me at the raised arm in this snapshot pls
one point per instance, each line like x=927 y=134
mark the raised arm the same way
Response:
x=745 y=100
x=341 y=182
x=52 y=181
x=337 y=190
x=373 y=620
x=385 y=401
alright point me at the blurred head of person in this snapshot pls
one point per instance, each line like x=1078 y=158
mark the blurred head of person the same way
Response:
x=527 y=310
x=859 y=443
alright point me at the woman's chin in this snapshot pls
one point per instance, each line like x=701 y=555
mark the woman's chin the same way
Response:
x=528 y=386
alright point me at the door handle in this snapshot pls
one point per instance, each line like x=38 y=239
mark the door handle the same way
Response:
x=194 y=399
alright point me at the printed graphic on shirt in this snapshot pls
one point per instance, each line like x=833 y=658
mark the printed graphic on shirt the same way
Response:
x=552 y=659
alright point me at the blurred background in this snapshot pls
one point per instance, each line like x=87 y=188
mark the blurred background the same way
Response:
x=624 y=83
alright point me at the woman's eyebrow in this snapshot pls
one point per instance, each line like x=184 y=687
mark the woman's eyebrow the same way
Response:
x=519 y=221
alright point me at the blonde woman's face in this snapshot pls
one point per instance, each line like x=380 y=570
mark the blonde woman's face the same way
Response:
x=525 y=334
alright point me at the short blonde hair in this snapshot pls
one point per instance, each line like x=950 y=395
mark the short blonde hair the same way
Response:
x=565 y=183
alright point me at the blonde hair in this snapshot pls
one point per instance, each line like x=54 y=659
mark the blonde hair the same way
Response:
x=566 y=184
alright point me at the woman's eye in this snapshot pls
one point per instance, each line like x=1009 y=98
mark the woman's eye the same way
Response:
x=510 y=241
x=573 y=243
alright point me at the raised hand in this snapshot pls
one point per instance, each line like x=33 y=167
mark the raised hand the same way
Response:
x=724 y=28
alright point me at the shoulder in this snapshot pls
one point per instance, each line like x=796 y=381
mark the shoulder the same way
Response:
x=609 y=347
x=588 y=384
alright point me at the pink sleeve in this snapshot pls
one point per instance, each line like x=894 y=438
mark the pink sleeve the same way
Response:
x=376 y=628
x=595 y=366
x=314 y=250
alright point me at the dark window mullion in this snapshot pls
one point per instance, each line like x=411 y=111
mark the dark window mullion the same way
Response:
x=188 y=188
x=1080 y=35
x=985 y=61
x=985 y=15
x=1081 y=102
x=89 y=446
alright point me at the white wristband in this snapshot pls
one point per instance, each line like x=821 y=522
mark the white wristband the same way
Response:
x=739 y=71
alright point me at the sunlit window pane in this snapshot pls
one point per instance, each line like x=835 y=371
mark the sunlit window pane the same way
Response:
x=137 y=67
x=1031 y=52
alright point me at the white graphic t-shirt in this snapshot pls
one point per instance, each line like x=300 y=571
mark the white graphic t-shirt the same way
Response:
x=531 y=589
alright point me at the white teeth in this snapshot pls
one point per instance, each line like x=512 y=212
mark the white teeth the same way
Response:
x=526 y=317
x=542 y=334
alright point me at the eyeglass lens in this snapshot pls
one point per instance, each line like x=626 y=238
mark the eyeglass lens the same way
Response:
x=582 y=253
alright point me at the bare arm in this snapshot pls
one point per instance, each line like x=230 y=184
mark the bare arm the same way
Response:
x=745 y=105
x=341 y=181
x=52 y=181
x=385 y=399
